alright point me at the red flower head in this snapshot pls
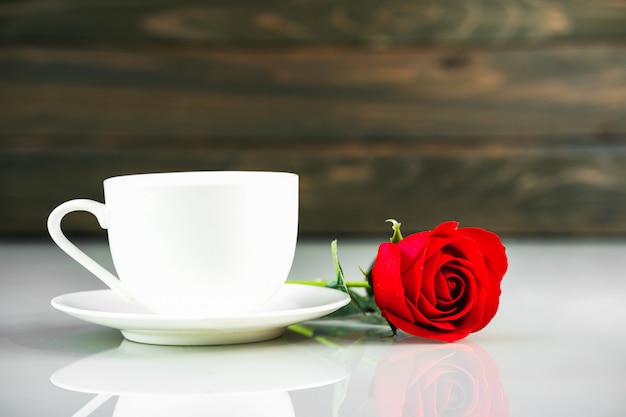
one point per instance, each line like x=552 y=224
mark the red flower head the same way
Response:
x=441 y=284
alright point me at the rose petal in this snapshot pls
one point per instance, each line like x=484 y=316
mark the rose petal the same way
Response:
x=448 y=336
x=443 y=290
x=463 y=305
x=412 y=249
x=387 y=282
x=430 y=269
x=445 y=229
x=496 y=263
x=477 y=276
x=412 y=246
x=489 y=273
x=491 y=246
x=420 y=313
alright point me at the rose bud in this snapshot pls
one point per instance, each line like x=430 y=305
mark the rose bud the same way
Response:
x=441 y=284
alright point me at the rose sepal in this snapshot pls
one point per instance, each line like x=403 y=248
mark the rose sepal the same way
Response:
x=395 y=226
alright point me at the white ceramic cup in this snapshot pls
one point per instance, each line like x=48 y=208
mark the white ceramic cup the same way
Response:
x=193 y=244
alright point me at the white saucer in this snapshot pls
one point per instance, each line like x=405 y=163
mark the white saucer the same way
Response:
x=292 y=304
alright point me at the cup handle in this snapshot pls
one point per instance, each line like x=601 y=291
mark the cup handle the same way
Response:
x=54 y=228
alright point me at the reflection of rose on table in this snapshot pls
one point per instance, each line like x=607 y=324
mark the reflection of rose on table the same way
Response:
x=242 y=380
x=459 y=379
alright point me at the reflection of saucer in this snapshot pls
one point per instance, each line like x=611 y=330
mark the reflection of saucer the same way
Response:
x=237 y=381
x=139 y=370
x=292 y=304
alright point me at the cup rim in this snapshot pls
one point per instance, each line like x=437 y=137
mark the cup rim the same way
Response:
x=202 y=177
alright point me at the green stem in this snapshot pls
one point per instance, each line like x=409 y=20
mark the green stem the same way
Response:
x=320 y=283
x=357 y=284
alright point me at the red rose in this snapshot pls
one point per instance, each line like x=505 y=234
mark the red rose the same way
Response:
x=442 y=284
x=439 y=380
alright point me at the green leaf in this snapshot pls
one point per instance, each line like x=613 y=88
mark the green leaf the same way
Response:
x=339 y=283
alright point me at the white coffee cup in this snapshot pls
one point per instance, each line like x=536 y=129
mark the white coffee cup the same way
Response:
x=193 y=244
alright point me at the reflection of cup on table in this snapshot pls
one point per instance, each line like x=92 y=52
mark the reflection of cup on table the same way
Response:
x=245 y=380
x=193 y=243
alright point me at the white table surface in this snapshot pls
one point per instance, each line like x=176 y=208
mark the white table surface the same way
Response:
x=557 y=347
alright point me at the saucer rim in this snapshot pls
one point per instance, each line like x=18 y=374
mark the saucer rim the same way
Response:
x=176 y=330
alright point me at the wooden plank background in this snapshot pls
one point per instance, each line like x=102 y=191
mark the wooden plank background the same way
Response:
x=505 y=115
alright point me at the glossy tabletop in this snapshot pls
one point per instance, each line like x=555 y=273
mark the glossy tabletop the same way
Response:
x=557 y=347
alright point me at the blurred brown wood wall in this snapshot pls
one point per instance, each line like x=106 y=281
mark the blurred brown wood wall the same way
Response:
x=509 y=115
